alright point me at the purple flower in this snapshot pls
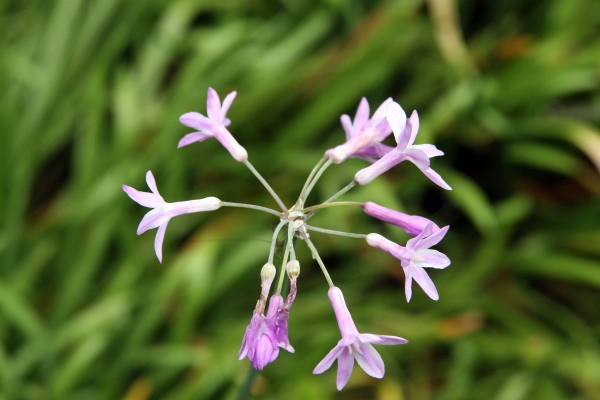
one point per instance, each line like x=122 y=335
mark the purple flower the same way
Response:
x=412 y=224
x=213 y=126
x=415 y=257
x=262 y=339
x=353 y=345
x=363 y=136
x=162 y=211
x=405 y=132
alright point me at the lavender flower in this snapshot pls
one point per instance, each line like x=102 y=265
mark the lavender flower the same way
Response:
x=363 y=136
x=353 y=345
x=213 y=126
x=416 y=256
x=405 y=132
x=412 y=224
x=163 y=212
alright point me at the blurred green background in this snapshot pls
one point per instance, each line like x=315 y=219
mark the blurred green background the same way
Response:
x=90 y=95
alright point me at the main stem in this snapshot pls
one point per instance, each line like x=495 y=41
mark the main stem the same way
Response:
x=266 y=185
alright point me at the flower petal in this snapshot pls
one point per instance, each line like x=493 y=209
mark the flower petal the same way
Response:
x=328 y=360
x=414 y=123
x=418 y=158
x=432 y=259
x=227 y=103
x=414 y=242
x=345 y=365
x=194 y=137
x=213 y=106
x=433 y=239
x=429 y=149
x=145 y=199
x=158 y=240
x=347 y=125
x=197 y=121
x=381 y=339
x=370 y=360
x=152 y=219
x=396 y=117
x=362 y=113
x=407 y=283
x=436 y=178
x=424 y=281
x=379 y=114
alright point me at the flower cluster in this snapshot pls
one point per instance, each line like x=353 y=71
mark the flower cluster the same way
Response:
x=267 y=333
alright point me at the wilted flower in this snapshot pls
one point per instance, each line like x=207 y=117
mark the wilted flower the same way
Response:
x=213 y=126
x=415 y=257
x=163 y=212
x=353 y=345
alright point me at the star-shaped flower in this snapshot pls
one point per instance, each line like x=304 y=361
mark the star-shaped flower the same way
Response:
x=416 y=256
x=353 y=345
x=405 y=132
x=163 y=212
x=213 y=126
x=364 y=135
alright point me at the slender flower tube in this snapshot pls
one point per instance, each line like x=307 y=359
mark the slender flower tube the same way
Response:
x=353 y=345
x=405 y=132
x=163 y=212
x=412 y=224
x=213 y=126
x=416 y=256
x=364 y=135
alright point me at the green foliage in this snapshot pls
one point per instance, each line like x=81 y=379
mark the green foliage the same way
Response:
x=90 y=94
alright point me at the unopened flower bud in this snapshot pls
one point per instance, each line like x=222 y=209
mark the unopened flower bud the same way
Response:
x=293 y=269
x=267 y=273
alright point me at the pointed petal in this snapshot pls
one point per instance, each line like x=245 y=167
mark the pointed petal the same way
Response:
x=373 y=151
x=347 y=125
x=345 y=366
x=213 y=106
x=412 y=243
x=362 y=113
x=145 y=199
x=151 y=182
x=370 y=360
x=429 y=150
x=328 y=360
x=436 y=178
x=424 y=281
x=381 y=339
x=226 y=122
x=379 y=114
x=432 y=240
x=432 y=259
x=158 y=240
x=418 y=158
x=197 y=121
x=194 y=137
x=414 y=123
x=227 y=103
x=151 y=220
x=396 y=117
x=407 y=283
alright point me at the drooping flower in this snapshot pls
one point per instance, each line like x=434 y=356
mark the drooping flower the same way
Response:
x=412 y=224
x=364 y=135
x=213 y=126
x=163 y=212
x=416 y=256
x=405 y=132
x=353 y=345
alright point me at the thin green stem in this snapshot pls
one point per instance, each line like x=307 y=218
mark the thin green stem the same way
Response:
x=253 y=207
x=266 y=185
x=319 y=261
x=309 y=179
x=244 y=390
x=332 y=232
x=274 y=241
x=341 y=192
x=336 y=204
x=286 y=254
x=316 y=178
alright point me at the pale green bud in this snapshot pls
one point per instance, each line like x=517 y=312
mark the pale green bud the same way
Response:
x=293 y=269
